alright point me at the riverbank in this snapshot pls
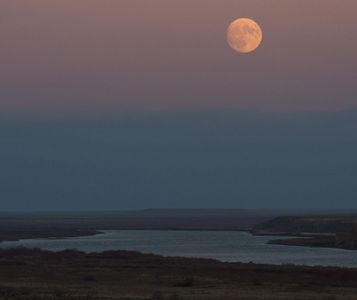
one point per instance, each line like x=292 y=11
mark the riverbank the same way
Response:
x=327 y=231
x=43 y=233
x=311 y=230
x=73 y=275
x=314 y=241
x=17 y=226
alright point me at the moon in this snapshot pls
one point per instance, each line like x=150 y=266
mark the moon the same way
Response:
x=244 y=35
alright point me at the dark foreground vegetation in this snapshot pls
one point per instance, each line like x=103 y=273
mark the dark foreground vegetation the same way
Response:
x=36 y=274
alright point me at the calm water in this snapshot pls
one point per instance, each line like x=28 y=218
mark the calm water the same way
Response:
x=224 y=246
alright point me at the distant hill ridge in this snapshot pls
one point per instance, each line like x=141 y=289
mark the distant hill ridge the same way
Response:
x=297 y=225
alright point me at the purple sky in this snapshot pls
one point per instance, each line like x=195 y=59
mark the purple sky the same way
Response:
x=214 y=128
x=107 y=56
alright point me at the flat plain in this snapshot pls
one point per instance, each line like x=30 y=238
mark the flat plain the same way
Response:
x=72 y=275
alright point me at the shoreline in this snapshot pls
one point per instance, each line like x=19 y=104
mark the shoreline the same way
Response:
x=23 y=235
x=316 y=240
x=9 y=236
x=298 y=240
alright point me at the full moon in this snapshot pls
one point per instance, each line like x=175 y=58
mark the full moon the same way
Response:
x=244 y=35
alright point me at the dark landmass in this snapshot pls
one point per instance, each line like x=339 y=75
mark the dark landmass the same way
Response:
x=30 y=274
x=338 y=230
x=315 y=224
x=31 y=233
x=316 y=241
x=329 y=231
x=73 y=275
x=152 y=219
x=14 y=226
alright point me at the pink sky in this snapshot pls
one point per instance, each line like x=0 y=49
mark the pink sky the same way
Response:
x=90 y=56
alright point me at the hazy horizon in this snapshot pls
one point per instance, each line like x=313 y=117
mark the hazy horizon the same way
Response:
x=195 y=159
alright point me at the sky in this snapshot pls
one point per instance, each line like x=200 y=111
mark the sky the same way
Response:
x=65 y=57
x=205 y=159
x=131 y=104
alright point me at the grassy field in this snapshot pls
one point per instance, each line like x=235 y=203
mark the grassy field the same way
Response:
x=34 y=274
